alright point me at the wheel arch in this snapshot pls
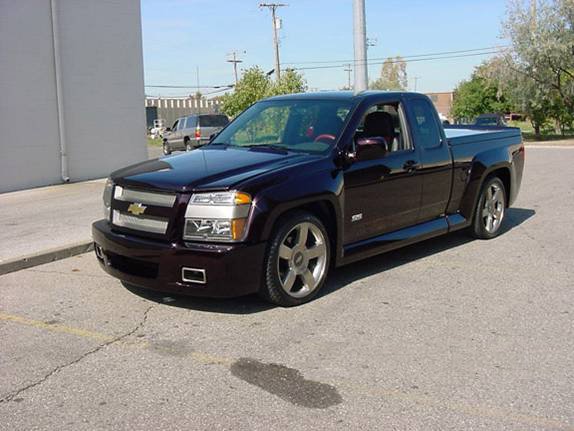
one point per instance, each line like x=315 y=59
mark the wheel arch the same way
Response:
x=324 y=208
x=500 y=170
x=504 y=174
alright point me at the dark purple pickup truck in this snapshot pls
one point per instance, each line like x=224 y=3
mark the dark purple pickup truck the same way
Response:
x=298 y=184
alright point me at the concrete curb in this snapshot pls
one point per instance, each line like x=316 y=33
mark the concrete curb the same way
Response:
x=45 y=256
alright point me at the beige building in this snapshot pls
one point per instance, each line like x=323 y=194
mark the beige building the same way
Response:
x=171 y=108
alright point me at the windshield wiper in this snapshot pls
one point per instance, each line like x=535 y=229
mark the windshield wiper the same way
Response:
x=268 y=146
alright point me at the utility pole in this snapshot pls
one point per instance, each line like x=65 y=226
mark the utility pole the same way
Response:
x=198 y=93
x=416 y=79
x=273 y=8
x=232 y=58
x=348 y=69
x=360 y=45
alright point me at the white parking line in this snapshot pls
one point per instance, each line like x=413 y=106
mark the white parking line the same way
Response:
x=563 y=147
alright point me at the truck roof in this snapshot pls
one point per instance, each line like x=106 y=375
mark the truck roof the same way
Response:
x=343 y=95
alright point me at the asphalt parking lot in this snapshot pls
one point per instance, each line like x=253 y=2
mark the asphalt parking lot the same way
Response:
x=452 y=333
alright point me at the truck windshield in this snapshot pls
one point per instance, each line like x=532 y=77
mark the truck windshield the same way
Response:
x=310 y=126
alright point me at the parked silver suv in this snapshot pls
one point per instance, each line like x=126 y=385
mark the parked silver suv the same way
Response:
x=192 y=131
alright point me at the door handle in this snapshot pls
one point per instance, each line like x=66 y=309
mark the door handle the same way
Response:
x=410 y=166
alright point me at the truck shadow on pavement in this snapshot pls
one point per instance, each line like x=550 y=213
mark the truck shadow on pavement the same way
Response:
x=339 y=277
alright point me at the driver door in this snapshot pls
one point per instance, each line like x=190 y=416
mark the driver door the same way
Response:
x=383 y=195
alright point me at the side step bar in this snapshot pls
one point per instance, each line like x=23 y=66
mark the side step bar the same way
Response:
x=399 y=238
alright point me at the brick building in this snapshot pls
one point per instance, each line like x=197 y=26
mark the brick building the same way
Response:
x=442 y=102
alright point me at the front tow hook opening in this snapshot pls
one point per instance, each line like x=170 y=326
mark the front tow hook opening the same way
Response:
x=193 y=275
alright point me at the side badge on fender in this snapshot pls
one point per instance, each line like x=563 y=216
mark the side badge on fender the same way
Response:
x=356 y=217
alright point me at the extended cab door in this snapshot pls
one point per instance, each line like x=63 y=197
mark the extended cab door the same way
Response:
x=435 y=168
x=383 y=195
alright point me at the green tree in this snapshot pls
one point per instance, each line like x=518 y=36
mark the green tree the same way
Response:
x=480 y=95
x=541 y=58
x=290 y=82
x=393 y=75
x=255 y=85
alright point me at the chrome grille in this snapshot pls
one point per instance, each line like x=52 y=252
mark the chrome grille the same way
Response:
x=165 y=200
x=143 y=223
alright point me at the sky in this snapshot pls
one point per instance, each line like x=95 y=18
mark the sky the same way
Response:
x=182 y=36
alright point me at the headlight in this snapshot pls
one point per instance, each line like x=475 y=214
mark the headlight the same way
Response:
x=218 y=216
x=107 y=198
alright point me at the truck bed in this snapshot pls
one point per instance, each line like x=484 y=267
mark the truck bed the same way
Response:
x=465 y=134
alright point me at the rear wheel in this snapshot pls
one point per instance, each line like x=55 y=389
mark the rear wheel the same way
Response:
x=188 y=146
x=166 y=149
x=298 y=260
x=490 y=210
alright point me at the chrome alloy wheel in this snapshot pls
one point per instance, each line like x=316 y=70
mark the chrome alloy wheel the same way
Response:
x=302 y=260
x=493 y=208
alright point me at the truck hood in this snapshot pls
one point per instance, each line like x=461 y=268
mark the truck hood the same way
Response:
x=208 y=168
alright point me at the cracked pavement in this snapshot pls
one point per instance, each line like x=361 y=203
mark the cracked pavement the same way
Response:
x=59 y=368
x=448 y=334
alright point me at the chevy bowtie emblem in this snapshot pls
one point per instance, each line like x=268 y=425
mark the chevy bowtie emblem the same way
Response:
x=137 y=209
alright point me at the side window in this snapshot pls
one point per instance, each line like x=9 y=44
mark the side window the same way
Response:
x=174 y=127
x=425 y=129
x=190 y=123
x=387 y=121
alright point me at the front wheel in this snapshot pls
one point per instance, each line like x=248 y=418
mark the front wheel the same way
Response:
x=490 y=210
x=298 y=260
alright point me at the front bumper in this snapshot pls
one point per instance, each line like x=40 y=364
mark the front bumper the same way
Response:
x=231 y=269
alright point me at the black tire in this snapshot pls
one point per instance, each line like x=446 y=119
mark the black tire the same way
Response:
x=316 y=238
x=480 y=225
x=166 y=149
x=188 y=145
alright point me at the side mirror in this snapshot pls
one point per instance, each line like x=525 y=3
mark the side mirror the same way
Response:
x=168 y=129
x=371 y=148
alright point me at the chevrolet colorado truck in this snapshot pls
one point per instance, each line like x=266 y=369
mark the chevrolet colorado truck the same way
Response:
x=301 y=183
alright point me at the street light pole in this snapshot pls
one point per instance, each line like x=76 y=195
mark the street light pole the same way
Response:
x=360 y=45
x=273 y=7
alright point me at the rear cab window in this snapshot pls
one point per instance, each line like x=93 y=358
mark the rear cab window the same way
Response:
x=213 y=121
x=424 y=126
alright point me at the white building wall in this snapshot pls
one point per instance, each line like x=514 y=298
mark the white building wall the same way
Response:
x=101 y=86
x=29 y=139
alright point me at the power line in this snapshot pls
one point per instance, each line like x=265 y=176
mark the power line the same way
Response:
x=189 y=86
x=403 y=56
x=372 y=63
x=221 y=90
